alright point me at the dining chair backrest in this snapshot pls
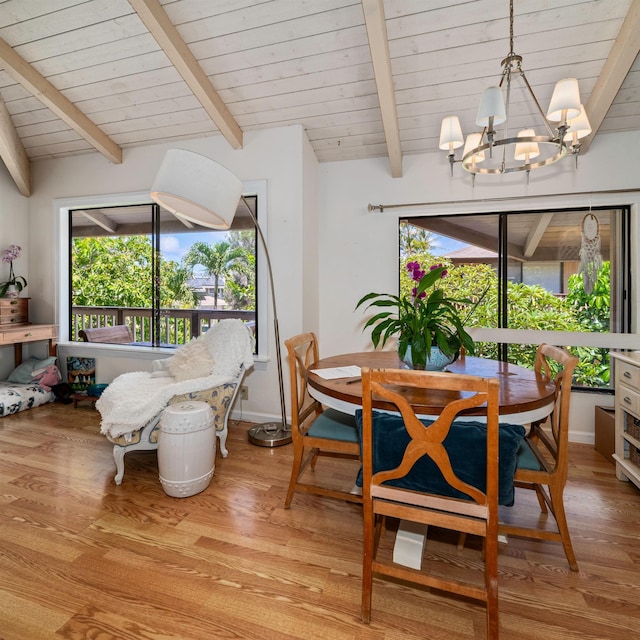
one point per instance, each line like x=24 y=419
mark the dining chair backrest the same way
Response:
x=303 y=352
x=557 y=364
x=543 y=462
x=315 y=430
x=442 y=472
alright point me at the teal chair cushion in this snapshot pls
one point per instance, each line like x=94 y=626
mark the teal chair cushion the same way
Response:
x=334 y=425
x=466 y=446
x=526 y=458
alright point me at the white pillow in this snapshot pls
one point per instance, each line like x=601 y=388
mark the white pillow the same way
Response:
x=159 y=365
x=192 y=360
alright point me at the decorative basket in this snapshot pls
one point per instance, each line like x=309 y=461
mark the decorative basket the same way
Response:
x=633 y=426
x=634 y=455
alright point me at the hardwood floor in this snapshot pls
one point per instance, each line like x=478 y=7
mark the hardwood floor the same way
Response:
x=83 y=558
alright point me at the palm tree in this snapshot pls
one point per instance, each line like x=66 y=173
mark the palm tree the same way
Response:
x=414 y=239
x=175 y=286
x=217 y=259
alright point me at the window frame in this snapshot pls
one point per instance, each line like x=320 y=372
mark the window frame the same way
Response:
x=517 y=204
x=62 y=207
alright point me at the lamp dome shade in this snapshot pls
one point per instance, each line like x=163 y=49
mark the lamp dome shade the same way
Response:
x=197 y=188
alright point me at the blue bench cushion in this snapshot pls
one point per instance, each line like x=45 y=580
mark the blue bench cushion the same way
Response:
x=466 y=446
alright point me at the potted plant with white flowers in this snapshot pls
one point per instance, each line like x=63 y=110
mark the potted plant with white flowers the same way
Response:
x=15 y=284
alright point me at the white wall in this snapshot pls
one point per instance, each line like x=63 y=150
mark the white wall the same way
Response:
x=359 y=249
x=275 y=156
x=319 y=281
x=14 y=229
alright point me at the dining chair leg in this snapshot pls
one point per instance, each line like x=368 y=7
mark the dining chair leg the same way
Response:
x=490 y=557
x=313 y=458
x=557 y=503
x=371 y=531
x=380 y=528
x=541 y=498
x=295 y=473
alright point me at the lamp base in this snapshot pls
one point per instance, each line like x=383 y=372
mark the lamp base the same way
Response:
x=270 y=434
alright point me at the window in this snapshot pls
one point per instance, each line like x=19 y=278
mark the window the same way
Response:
x=527 y=265
x=166 y=279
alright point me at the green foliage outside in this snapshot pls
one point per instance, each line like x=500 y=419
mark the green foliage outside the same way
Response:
x=594 y=313
x=112 y=271
x=529 y=307
x=118 y=272
x=240 y=284
x=218 y=261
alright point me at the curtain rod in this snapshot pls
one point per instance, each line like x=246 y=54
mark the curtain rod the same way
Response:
x=382 y=207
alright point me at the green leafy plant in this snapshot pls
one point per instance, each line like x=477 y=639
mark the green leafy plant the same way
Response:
x=9 y=255
x=422 y=320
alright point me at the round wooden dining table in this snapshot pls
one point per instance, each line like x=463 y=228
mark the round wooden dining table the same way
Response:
x=525 y=397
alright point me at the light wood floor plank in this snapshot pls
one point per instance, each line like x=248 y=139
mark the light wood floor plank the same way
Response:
x=81 y=557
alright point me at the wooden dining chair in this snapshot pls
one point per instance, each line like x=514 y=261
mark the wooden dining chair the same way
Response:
x=443 y=473
x=316 y=431
x=544 y=458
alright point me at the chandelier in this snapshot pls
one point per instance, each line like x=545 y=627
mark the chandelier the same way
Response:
x=487 y=152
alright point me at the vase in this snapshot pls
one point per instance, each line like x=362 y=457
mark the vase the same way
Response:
x=436 y=360
x=11 y=292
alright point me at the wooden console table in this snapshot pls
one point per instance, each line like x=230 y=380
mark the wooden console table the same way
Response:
x=17 y=335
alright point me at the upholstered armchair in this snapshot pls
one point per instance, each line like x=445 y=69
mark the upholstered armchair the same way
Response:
x=209 y=369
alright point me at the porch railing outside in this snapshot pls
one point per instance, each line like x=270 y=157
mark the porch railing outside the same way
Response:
x=177 y=326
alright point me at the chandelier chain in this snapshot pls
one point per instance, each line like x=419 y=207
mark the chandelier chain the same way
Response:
x=511 y=26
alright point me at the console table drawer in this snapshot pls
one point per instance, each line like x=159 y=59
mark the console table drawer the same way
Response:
x=9 y=320
x=12 y=308
x=628 y=399
x=28 y=333
x=628 y=374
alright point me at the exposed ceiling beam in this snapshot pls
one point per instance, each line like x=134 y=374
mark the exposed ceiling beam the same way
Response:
x=107 y=223
x=379 y=47
x=623 y=54
x=161 y=28
x=13 y=154
x=536 y=232
x=469 y=236
x=21 y=71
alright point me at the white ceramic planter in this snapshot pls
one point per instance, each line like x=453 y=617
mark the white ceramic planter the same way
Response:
x=186 y=448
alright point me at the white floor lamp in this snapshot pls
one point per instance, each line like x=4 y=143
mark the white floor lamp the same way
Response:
x=200 y=190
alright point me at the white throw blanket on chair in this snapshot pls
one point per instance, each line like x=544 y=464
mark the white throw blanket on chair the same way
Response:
x=132 y=400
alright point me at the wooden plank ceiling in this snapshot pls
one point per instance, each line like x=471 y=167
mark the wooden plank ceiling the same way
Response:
x=365 y=78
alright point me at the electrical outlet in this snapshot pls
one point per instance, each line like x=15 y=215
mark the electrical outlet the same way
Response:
x=244 y=393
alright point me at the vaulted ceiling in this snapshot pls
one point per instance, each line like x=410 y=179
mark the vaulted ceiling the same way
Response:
x=365 y=78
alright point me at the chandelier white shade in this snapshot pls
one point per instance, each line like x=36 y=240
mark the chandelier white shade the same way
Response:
x=526 y=150
x=491 y=106
x=565 y=101
x=473 y=141
x=198 y=189
x=501 y=148
x=579 y=127
x=451 y=133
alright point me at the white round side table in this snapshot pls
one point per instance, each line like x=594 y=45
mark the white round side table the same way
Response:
x=186 y=448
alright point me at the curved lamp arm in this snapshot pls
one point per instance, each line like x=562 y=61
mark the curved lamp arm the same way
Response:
x=283 y=410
